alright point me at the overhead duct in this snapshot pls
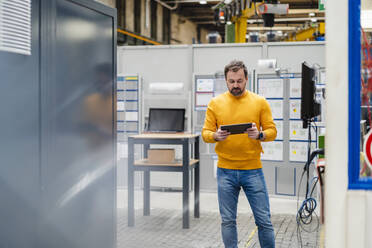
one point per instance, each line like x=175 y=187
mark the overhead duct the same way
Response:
x=268 y=11
x=279 y=9
x=167 y=6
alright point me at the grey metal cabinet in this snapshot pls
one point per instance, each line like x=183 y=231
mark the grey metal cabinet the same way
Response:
x=58 y=130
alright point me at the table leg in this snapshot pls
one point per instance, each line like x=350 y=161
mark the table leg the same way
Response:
x=146 y=193
x=197 y=180
x=146 y=147
x=185 y=184
x=130 y=182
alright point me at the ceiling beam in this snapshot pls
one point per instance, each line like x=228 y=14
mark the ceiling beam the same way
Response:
x=200 y=17
x=300 y=19
x=304 y=11
x=271 y=29
x=277 y=20
x=192 y=1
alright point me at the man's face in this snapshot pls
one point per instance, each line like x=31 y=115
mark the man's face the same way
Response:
x=236 y=82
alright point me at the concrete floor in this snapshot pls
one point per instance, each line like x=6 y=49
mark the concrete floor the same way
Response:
x=163 y=228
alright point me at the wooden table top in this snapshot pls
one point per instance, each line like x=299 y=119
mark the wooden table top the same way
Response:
x=164 y=135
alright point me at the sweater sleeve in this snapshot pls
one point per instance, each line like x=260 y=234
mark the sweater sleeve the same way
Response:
x=267 y=122
x=210 y=125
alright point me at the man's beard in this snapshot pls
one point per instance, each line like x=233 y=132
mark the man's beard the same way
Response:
x=236 y=91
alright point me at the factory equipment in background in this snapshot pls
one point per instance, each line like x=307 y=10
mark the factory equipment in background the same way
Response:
x=235 y=13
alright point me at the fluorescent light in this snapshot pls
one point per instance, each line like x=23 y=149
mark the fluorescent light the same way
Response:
x=203 y=2
x=228 y=22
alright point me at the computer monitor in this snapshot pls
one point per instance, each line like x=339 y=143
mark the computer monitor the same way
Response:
x=166 y=120
x=309 y=107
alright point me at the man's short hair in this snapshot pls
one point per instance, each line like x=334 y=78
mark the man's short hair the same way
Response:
x=235 y=66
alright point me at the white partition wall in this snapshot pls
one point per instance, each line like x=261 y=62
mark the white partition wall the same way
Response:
x=290 y=55
x=208 y=59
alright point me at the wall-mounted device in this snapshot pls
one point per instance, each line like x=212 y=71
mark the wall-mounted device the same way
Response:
x=310 y=108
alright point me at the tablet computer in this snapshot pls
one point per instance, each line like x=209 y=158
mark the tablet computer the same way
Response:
x=236 y=128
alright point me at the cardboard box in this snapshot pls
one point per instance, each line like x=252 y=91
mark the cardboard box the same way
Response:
x=161 y=156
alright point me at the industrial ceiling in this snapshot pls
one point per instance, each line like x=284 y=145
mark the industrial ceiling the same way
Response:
x=301 y=14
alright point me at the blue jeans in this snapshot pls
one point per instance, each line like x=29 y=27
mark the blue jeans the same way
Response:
x=254 y=186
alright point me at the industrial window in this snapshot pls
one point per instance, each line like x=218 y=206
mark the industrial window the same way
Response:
x=121 y=5
x=166 y=25
x=137 y=16
x=154 y=20
x=360 y=100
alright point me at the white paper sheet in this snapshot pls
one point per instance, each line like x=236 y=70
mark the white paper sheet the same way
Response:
x=120 y=106
x=295 y=109
x=296 y=132
x=270 y=88
x=122 y=150
x=202 y=99
x=295 y=87
x=279 y=129
x=204 y=85
x=219 y=87
x=273 y=151
x=131 y=116
x=276 y=108
x=298 y=151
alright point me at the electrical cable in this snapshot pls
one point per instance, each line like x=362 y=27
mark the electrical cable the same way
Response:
x=298 y=231
x=306 y=212
x=312 y=190
x=314 y=126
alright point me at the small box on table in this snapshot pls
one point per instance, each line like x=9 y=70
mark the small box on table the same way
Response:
x=161 y=156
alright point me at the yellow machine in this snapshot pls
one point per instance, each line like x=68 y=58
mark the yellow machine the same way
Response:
x=267 y=8
x=308 y=34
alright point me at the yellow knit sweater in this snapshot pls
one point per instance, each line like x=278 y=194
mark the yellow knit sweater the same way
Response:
x=238 y=151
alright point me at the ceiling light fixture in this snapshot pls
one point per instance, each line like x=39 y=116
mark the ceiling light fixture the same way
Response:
x=203 y=2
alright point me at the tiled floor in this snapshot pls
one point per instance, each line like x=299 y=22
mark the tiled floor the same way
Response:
x=163 y=228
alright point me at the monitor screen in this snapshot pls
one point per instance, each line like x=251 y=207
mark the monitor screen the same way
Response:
x=309 y=107
x=166 y=120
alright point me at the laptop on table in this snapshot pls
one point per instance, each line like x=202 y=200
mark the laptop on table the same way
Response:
x=166 y=120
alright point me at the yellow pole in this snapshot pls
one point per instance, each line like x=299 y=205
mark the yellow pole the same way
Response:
x=241 y=23
x=240 y=29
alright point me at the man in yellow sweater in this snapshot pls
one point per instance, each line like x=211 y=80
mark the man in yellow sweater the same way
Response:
x=239 y=163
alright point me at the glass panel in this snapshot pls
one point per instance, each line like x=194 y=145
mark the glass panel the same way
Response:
x=366 y=103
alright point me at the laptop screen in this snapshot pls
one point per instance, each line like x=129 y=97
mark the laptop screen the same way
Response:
x=166 y=120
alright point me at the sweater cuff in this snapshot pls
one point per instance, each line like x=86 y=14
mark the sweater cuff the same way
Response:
x=269 y=135
x=208 y=137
